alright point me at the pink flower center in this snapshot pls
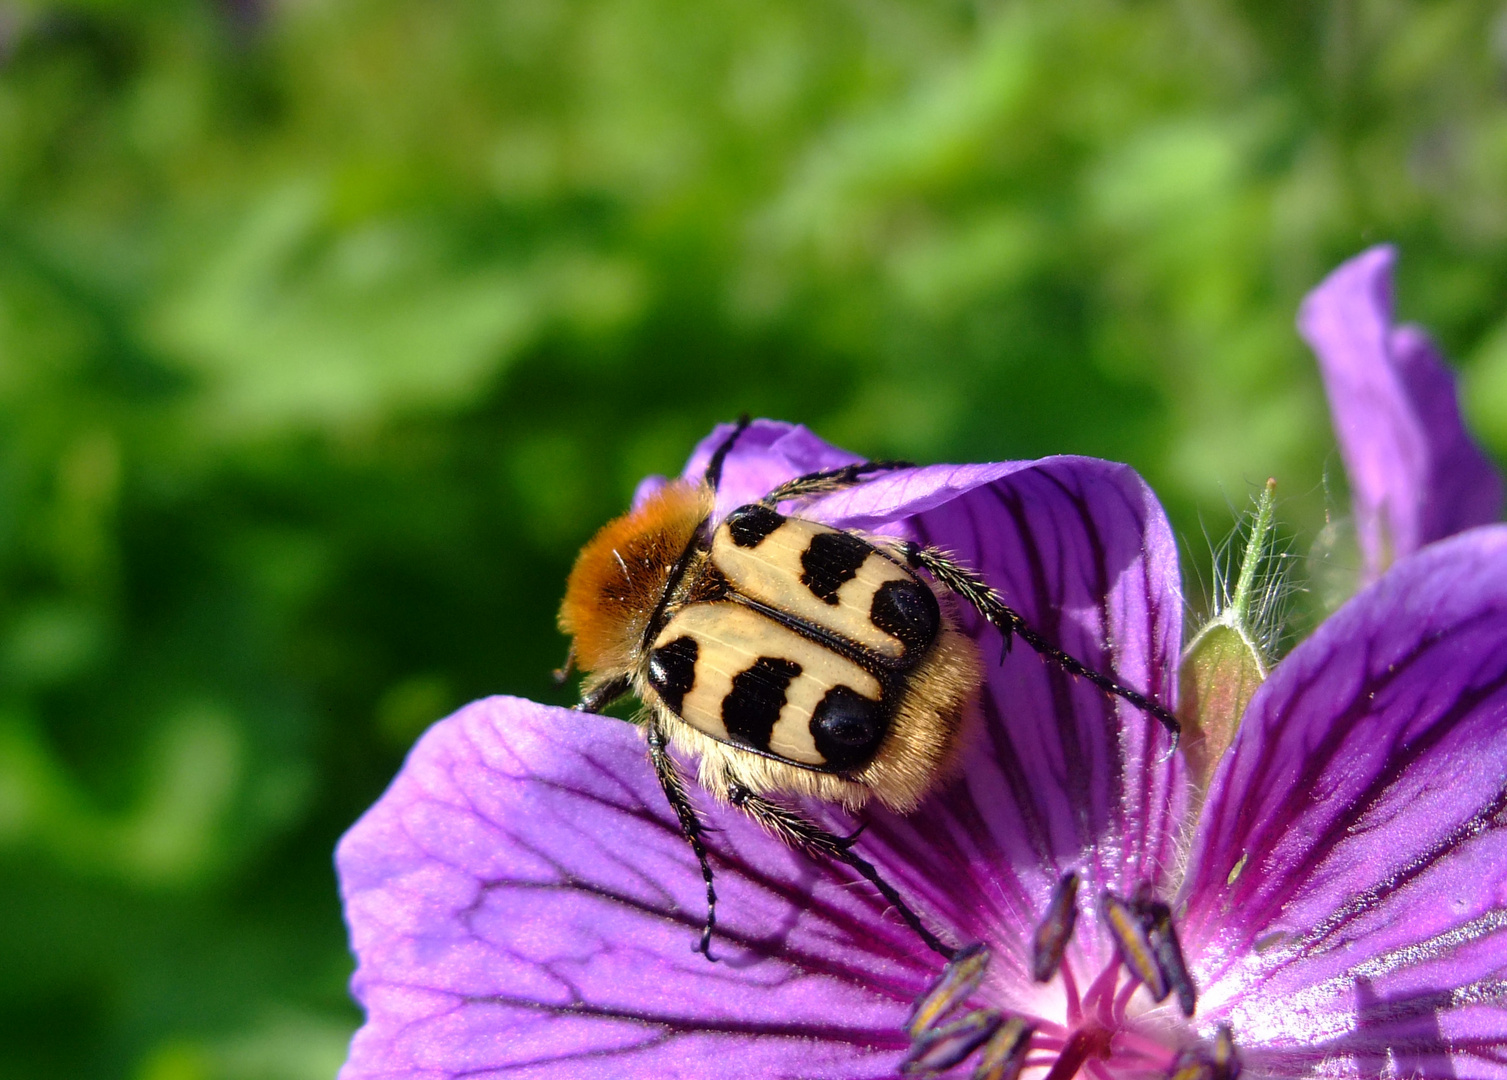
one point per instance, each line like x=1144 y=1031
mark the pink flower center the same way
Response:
x=1098 y=1034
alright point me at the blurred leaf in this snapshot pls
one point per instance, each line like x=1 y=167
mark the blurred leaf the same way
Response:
x=292 y=323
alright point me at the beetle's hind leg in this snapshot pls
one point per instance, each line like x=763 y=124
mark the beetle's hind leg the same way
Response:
x=829 y=480
x=976 y=592
x=804 y=834
x=690 y=825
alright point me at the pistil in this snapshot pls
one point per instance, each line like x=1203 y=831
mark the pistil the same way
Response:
x=1083 y=1044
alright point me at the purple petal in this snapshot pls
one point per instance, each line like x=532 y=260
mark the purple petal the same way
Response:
x=1061 y=777
x=1415 y=474
x=1347 y=900
x=522 y=903
x=1464 y=487
x=647 y=487
x=766 y=455
x=1082 y=549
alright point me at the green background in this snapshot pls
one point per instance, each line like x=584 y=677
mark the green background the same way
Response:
x=330 y=330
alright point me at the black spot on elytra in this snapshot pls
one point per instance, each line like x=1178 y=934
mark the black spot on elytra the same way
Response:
x=832 y=560
x=672 y=670
x=750 y=524
x=907 y=610
x=753 y=705
x=847 y=727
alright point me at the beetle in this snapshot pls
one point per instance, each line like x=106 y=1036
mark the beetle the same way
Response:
x=787 y=657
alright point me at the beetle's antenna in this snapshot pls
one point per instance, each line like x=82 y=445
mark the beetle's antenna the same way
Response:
x=561 y=673
x=719 y=455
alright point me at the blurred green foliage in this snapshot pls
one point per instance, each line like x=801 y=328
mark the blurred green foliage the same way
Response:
x=329 y=331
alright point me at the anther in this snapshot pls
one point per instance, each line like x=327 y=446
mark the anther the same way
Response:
x=941 y=1048
x=1226 y=1059
x=959 y=979
x=1134 y=944
x=1219 y=1062
x=1004 y=1055
x=1148 y=944
x=1056 y=930
x=1157 y=919
x=1190 y=1066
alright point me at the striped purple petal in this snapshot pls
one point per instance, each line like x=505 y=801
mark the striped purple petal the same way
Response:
x=1347 y=899
x=522 y=904
x=1415 y=474
x=1060 y=777
x=766 y=454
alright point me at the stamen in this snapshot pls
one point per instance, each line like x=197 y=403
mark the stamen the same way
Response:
x=1056 y=930
x=1191 y=1067
x=942 y=1048
x=1096 y=1039
x=1070 y=988
x=1148 y=944
x=1135 y=947
x=1156 y=917
x=1219 y=1062
x=1226 y=1058
x=1122 y=999
x=1130 y=1043
x=959 y=979
x=1099 y=1000
x=1005 y=1055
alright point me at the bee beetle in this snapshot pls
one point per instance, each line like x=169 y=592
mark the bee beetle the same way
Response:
x=786 y=656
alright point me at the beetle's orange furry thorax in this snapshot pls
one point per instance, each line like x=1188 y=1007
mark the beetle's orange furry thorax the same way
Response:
x=620 y=576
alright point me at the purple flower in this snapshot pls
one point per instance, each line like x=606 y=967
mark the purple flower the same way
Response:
x=522 y=904
x=1415 y=474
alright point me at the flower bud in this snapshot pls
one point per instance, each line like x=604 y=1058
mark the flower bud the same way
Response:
x=1224 y=664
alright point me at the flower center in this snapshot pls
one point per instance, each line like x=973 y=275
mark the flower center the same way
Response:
x=1097 y=1035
